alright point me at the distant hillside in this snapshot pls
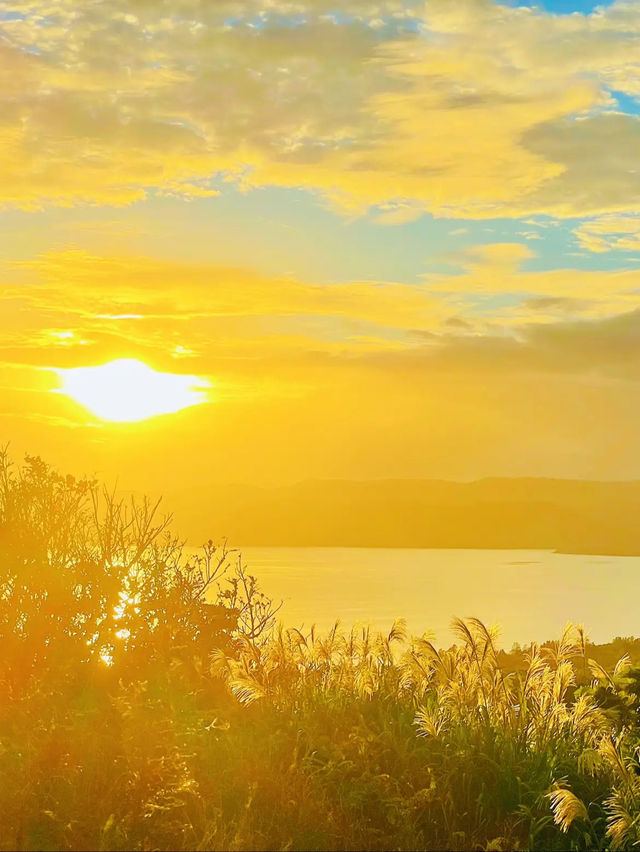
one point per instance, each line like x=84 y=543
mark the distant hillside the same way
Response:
x=568 y=515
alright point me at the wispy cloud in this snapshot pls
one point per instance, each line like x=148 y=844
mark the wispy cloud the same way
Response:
x=609 y=233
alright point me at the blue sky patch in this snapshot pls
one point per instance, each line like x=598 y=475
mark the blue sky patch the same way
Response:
x=562 y=7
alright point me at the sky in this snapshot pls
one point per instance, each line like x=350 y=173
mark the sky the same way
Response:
x=385 y=238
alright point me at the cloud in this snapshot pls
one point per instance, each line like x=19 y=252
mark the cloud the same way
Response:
x=588 y=350
x=609 y=233
x=91 y=286
x=75 y=304
x=70 y=307
x=464 y=108
x=495 y=270
x=559 y=304
x=599 y=166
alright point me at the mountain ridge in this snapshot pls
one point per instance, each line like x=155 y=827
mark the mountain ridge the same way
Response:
x=569 y=515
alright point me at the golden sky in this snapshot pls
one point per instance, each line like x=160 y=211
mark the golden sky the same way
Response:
x=379 y=238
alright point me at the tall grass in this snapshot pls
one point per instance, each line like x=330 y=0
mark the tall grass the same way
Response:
x=149 y=701
x=524 y=760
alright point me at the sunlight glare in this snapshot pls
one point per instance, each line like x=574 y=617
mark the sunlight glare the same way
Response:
x=127 y=390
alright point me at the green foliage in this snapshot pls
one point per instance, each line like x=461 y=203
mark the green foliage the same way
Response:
x=148 y=702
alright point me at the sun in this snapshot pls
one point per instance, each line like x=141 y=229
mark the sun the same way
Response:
x=127 y=391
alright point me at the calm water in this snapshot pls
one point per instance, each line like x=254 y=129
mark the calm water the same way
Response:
x=531 y=594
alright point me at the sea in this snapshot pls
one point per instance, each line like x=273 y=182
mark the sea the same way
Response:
x=529 y=594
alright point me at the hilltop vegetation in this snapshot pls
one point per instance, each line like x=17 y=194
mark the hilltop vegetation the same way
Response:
x=149 y=701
